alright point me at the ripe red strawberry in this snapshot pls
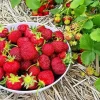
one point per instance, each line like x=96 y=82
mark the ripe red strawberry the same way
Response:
x=79 y=59
x=60 y=46
x=46 y=77
x=40 y=10
x=68 y=4
x=47 y=34
x=40 y=14
x=25 y=65
x=45 y=12
x=1 y=73
x=2 y=60
x=40 y=28
x=30 y=82
x=15 y=51
x=28 y=51
x=36 y=58
x=14 y=82
x=47 y=49
x=2 y=46
x=62 y=55
x=11 y=66
x=28 y=33
x=14 y=36
x=55 y=61
x=34 y=70
x=58 y=66
x=22 y=41
x=44 y=62
x=59 y=35
x=22 y=27
x=4 y=33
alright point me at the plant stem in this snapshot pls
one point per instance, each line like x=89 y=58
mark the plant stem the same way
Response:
x=97 y=64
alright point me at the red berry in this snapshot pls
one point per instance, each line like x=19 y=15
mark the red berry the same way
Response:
x=4 y=33
x=34 y=70
x=62 y=55
x=44 y=62
x=46 y=77
x=79 y=59
x=2 y=60
x=40 y=10
x=45 y=12
x=1 y=73
x=68 y=4
x=2 y=46
x=14 y=36
x=40 y=28
x=28 y=33
x=47 y=49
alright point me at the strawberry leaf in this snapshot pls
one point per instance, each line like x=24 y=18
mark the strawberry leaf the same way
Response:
x=88 y=57
x=54 y=11
x=95 y=3
x=88 y=2
x=88 y=25
x=95 y=35
x=97 y=84
x=76 y=3
x=59 y=1
x=15 y=3
x=86 y=42
x=33 y=4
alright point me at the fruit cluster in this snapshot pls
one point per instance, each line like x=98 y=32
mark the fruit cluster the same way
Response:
x=31 y=58
x=43 y=10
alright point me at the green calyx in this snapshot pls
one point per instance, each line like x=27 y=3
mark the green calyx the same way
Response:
x=10 y=58
x=1 y=27
x=41 y=84
x=14 y=78
x=28 y=80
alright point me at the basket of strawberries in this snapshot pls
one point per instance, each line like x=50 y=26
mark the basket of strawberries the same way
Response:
x=33 y=57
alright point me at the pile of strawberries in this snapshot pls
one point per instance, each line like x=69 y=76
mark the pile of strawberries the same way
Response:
x=31 y=58
x=43 y=10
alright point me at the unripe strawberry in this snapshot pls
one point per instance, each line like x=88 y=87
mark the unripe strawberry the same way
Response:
x=57 y=19
x=89 y=70
x=68 y=37
x=73 y=12
x=67 y=22
x=78 y=36
x=34 y=13
x=67 y=28
x=57 y=15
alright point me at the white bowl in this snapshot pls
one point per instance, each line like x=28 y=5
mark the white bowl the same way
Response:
x=44 y=88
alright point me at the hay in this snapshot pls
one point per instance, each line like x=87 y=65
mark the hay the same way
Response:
x=72 y=87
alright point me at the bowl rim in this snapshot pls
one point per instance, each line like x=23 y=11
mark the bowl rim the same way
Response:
x=46 y=87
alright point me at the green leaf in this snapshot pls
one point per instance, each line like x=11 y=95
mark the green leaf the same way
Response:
x=54 y=11
x=96 y=21
x=15 y=3
x=86 y=42
x=80 y=10
x=88 y=24
x=95 y=35
x=95 y=3
x=97 y=84
x=33 y=4
x=76 y=3
x=96 y=47
x=80 y=18
x=88 y=57
x=59 y=1
x=88 y=2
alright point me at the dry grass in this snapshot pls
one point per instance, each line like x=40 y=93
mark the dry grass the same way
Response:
x=71 y=87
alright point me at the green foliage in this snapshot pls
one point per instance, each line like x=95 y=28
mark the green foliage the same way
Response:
x=15 y=2
x=54 y=11
x=59 y=1
x=95 y=3
x=33 y=4
x=95 y=35
x=88 y=24
x=97 y=84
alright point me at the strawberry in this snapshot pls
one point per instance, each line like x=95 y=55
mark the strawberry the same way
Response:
x=22 y=27
x=68 y=4
x=62 y=55
x=36 y=58
x=40 y=28
x=58 y=66
x=46 y=77
x=25 y=65
x=2 y=60
x=40 y=10
x=79 y=59
x=14 y=82
x=57 y=19
x=28 y=51
x=30 y=82
x=14 y=36
x=78 y=36
x=4 y=33
x=11 y=66
x=34 y=13
x=50 y=6
x=45 y=12
x=1 y=73
x=47 y=49
x=22 y=40
x=40 y=14
x=34 y=70
x=44 y=62
x=28 y=33
x=15 y=51
x=59 y=35
x=2 y=46
x=47 y=34
x=60 y=46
